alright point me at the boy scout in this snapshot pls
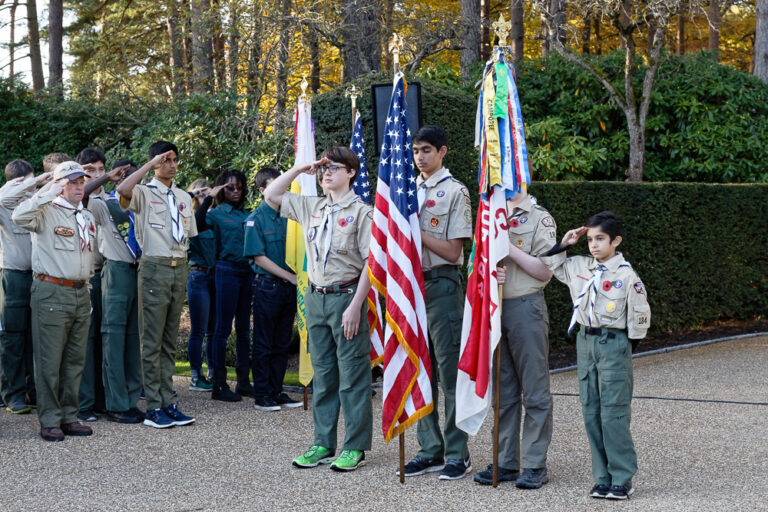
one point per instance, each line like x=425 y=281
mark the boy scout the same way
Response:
x=610 y=304
x=337 y=231
x=445 y=219
x=525 y=347
x=62 y=262
x=17 y=383
x=119 y=301
x=164 y=222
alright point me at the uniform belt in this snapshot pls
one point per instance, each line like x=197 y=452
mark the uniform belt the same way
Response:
x=271 y=277
x=442 y=271
x=598 y=331
x=207 y=270
x=163 y=260
x=336 y=288
x=60 y=281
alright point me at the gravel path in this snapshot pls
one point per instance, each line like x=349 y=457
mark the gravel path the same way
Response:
x=692 y=455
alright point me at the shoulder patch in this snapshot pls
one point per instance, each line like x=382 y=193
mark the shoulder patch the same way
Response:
x=370 y=214
x=639 y=288
x=548 y=221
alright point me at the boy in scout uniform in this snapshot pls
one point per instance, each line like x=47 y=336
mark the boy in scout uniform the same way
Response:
x=337 y=231
x=119 y=300
x=525 y=346
x=164 y=223
x=17 y=382
x=610 y=304
x=63 y=237
x=445 y=218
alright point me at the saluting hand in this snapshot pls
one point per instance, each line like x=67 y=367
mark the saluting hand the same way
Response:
x=160 y=159
x=572 y=236
x=58 y=187
x=43 y=178
x=215 y=190
x=117 y=173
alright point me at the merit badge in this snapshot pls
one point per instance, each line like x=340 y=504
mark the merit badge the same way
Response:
x=342 y=222
x=430 y=203
x=64 y=231
x=513 y=223
x=468 y=216
x=434 y=222
x=618 y=284
x=548 y=221
x=440 y=193
x=350 y=218
x=610 y=307
x=606 y=285
x=523 y=220
x=519 y=242
x=639 y=288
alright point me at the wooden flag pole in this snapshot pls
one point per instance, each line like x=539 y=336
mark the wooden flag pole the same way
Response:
x=306 y=398
x=496 y=400
x=401 y=438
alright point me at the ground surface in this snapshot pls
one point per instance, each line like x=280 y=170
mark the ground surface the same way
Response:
x=693 y=455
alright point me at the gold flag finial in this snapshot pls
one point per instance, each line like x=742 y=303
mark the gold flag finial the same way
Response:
x=501 y=28
x=395 y=47
x=304 y=84
x=353 y=93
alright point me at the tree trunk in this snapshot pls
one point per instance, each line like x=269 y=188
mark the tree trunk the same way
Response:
x=234 y=45
x=651 y=33
x=38 y=80
x=174 y=35
x=186 y=43
x=545 y=46
x=636 y=147
x=55 y=47
x=485 y=33
x=389 y=12
x=12 y=45
x=586 y=32
x=361 y=51
x=313 y=43
x=517 y=32
x=217 y=41
x=202 y=47
x=470 y=35
x=624 y=21
x=761 y=41
x=681 y=30
x=281 y=65
x=714 y=27
x=252 y=84
x=558 y=11
x=598 y=41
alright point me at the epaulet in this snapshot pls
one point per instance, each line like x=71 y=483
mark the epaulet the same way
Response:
x=151 y=186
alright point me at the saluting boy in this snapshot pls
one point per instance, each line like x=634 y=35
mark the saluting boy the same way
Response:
x=611 y=306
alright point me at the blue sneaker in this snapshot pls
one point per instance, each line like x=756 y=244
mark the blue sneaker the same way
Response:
x=177 y=417
x=158 y=418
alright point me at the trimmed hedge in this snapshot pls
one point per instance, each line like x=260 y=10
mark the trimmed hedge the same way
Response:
x=700 y=249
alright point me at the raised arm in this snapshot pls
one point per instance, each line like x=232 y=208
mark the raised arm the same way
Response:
x=273 y=194
x=125 y=189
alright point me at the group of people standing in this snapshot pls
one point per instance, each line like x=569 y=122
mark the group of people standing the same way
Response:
x=133 y=256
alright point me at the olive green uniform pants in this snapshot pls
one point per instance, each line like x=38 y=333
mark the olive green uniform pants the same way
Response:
x=60 y=321
x=162 y=290
x=444 y=298
x=605 y=390
x=17 y=382
x=91 y=384
x=342 y=373
x=120 y=336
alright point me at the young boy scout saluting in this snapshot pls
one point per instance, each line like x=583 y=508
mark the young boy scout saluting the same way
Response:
x=610 y=304
x=63 y=236
x=163 y=224
x=337 y=230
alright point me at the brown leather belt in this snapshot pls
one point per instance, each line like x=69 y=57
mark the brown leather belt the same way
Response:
x=336 y=288
x=207 y=270
x=60 y=281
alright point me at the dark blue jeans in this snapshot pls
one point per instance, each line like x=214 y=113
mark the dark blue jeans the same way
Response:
x=201 y=293
x=233 y=301
x=274 y=309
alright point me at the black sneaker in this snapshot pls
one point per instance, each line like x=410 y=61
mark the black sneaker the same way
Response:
x=244 y=389
x=420 y=465
x=455 y=469
x=620 y=492
x=599 y=491
x=87 y=415
x=284 y=400
x=224 y=394
x=137 y=412
x=532 y=478
x=266 y=403
x=485 y=477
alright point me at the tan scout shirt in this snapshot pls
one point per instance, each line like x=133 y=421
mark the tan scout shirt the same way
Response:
x=446 y=214
x=55 y=238
x=532 y=230
x=621 y=301
x=15 y=241
x=350 y=221
x=111 y=243
x=98 y=256
x=153 y=219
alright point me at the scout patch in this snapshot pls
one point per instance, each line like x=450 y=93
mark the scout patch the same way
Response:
x=607 y=320
x=618 y=283
x=430 y=203
x=341 y=251
x=249 y=223
x=514 y=223
x=312 y=233
x=157 y=226
x=523 y=220
x=350 y=218
x=468 y=216
x=519 y=242
x=639 y=288
x=466 y=193
x=606 y=285
x=440 y=193
x=64 y=231
x=342 y=222
x=548 y=221
x=610 y=307
x=157 y=202
x=434 y=222
x=181 y=207
x=641 y=318
x=370 y=215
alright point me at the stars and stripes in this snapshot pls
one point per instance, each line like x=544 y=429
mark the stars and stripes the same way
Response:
x=362 y=184
x=395 y=271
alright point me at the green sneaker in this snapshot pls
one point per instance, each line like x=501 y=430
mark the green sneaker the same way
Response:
x=200 y=384
x=314 y=456
x=349 y=460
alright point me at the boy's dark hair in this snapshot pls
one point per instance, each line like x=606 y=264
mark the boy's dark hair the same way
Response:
x=162 y=146
x=343 y=155
x=224 y=177
x=431 y=134
x=18 y=169
x=91 y=156
x=608 y=222
x=264 y=175
x=125 y=161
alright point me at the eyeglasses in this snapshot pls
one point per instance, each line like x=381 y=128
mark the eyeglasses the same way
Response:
x=331 y=169
x=232 y=188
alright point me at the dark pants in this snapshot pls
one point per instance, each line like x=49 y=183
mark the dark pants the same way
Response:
x=201 y=293
x=91 y=393
x=274 y=309
x=17 y=382
x=233 y=301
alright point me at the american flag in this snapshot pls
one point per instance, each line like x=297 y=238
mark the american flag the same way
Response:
x=395 y=270
x=362 y=184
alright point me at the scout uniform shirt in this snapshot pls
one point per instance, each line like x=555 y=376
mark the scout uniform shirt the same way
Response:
x=265 y=233
x=228 y=223
x=98 y=257
x=61 y=247
x=15 y=241
x=532 y=230
x=444 y=213
x=154 y=230
x=336 y=235
x=111 y=243
x=620 y=303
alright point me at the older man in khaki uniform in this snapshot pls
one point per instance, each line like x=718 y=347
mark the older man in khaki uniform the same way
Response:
x=17 y=383
x=63 y=236
x=164 y=223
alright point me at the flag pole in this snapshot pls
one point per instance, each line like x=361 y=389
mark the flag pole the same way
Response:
x=401 y=439
x=353 y=93
x=304 y=97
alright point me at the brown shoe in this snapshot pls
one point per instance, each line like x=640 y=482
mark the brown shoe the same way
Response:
x=52 y=434
x=76 y=429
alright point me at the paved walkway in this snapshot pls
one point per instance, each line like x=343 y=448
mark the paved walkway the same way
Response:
x=692 y=455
